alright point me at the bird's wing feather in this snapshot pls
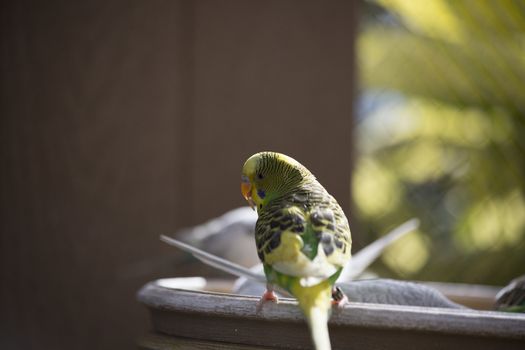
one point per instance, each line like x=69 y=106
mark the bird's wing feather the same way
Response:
x=214 y=261
x=331 y=231
x=366 y=256
x=305 y=234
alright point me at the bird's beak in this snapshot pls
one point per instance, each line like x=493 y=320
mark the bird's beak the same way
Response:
x=246 y=190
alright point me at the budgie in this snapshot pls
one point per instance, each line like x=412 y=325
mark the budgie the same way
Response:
x=302 y=236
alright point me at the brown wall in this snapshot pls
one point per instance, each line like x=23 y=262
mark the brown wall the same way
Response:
x=123 y=120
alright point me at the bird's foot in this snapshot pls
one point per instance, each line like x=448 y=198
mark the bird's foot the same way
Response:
x=339 y=299
x=269 y=295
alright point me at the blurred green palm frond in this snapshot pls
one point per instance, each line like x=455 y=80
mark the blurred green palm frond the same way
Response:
x=442 y=135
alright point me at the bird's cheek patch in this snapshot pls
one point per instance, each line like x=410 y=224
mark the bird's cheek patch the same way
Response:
x=261 y=193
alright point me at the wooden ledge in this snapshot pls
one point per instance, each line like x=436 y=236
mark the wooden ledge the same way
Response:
x=220 y=317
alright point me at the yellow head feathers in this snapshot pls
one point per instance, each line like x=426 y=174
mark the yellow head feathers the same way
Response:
x=267 y=175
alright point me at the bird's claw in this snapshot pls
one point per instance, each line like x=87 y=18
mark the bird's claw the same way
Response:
x=339 y=299
x=269 y=295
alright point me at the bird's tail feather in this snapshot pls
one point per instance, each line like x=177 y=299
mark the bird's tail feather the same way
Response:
x=316 y=304
x=318 y=323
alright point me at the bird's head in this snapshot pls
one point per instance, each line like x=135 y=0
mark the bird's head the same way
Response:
x=269 y=175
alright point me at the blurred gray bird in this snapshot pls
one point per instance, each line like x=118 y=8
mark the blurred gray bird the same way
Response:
x=253 y=282
x=379 y=291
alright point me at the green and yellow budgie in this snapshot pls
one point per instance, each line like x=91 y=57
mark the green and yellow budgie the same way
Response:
x=302 y=236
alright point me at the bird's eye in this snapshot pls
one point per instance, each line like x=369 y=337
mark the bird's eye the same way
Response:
x=260 y=176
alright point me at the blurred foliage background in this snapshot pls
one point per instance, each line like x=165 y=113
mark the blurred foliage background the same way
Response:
x=441 y=136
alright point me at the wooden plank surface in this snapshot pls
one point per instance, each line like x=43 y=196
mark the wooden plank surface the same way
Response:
x=223 y=317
